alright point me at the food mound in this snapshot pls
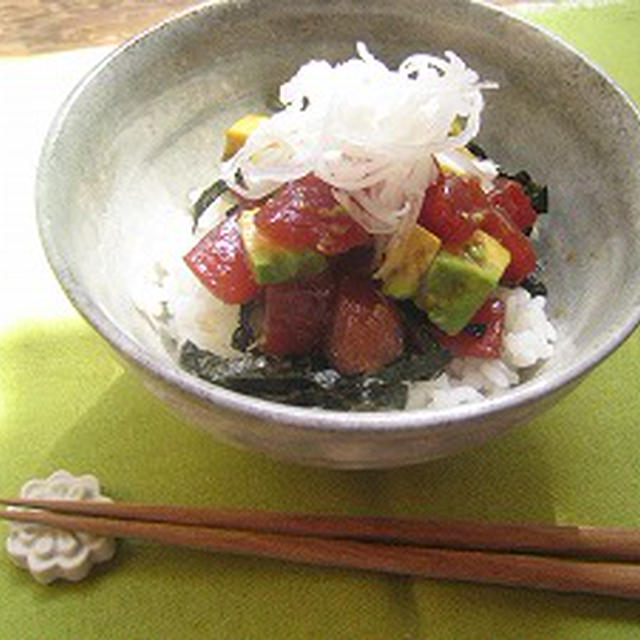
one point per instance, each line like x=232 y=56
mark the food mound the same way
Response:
x=377 y=257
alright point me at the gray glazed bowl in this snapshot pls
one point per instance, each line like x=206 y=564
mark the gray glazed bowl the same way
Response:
x=145 y=127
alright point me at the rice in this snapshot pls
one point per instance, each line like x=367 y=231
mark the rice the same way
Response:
x=528 y=340
x=172 y=301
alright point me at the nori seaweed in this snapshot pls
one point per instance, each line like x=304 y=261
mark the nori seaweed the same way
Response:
x=246 y=333
x=538 y=194
x=309 y=381
x=534 y=285
x=208 y=196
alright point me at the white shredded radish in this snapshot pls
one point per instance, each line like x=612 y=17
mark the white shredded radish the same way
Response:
x=464 y=162
x=370 y=132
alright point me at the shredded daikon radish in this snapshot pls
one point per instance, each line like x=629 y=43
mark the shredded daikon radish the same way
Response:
x=464 y=162
x=370 y=132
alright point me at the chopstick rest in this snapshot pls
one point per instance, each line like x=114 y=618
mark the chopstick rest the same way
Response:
x=50 y=554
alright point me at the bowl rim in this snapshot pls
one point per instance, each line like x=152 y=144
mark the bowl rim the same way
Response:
x=382 y=422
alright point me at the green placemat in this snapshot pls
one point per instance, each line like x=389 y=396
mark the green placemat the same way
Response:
x=66 y=404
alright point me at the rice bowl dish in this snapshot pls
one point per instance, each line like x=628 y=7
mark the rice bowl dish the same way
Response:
x=146 y=128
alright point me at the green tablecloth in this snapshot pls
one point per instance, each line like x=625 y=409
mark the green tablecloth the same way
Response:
x=65 y=403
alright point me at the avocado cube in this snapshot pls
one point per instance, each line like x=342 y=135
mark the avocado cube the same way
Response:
x=272 y=263
x=236 y=135
x=457 y=285
x=407 y=261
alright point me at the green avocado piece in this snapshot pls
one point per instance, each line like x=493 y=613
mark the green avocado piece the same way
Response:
x=272 y=263
x=405 y=263
x=457 y=285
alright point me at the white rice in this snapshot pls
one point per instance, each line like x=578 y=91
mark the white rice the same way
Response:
x=173 y=301
x=528 y=340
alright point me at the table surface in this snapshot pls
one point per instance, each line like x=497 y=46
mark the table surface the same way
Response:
x=66 y=403
x=36 y=26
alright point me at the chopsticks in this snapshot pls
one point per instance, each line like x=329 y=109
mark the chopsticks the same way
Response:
x=597 y=560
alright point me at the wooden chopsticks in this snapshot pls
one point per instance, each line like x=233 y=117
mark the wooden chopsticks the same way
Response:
x=596 y=560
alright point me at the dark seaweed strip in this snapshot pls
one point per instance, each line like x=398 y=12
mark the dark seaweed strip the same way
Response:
x=538 y=194
x=309 y=381
x=534 y=285
x=207 y=198
x=246 y=332
x=239 y=178
x=273 y=103
x=419 y=334
x=476 y=329
x=477 y=150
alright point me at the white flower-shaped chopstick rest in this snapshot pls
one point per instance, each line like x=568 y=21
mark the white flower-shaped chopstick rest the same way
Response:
x=50 y=553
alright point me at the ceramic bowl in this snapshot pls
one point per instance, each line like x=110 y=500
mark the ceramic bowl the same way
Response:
x=144 y=128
